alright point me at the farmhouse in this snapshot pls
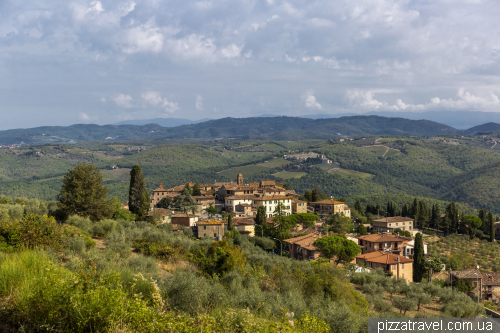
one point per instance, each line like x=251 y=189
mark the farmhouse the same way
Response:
x=391 y=223
x=401 y=267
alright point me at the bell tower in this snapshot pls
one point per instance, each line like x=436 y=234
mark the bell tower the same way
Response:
x=239 y=181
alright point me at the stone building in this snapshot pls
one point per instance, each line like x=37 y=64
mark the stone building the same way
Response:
x=391 y=223
x=210 y=227
x=401 y=267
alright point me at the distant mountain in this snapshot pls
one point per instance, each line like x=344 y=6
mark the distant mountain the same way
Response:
x=488 y=127
x=284 y=128
x=164 y=122
x=456 y=119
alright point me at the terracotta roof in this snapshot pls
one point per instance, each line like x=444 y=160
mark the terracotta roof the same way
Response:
x=272 y=197
x=466 y=274
x=241 y=197
x=162 y=211
x=242 y=221
x=244 y=205
x=491 y=279
x=383 y=257
x=303 y=231
x=381 y=238
x=328 y=202
x=267 y=182
x=184 y=215
x=298 y=201
x=209 y=222
x=391 y=219
x=305 y=241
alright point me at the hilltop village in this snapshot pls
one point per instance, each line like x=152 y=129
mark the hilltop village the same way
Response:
x=217 y=208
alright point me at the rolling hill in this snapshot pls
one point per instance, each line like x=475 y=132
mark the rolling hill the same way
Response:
x=278 y=128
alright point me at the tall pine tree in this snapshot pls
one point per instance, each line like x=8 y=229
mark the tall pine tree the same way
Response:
x=436 y=217
x=138 y=197
x=358 y=207
x=418 y=259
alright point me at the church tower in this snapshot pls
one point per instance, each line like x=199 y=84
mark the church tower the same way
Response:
x=239 y=181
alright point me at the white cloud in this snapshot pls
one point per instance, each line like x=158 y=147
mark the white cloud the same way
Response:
x=123 y=100
x=199 y=103
x=154 y=98
x=365 y=100
x=144 y=38
x=84 y=116
x=232 y=51
x=311 y=102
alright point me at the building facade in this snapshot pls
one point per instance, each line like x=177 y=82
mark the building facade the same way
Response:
x=401 y=267
x=390 y=224
x=211 y=228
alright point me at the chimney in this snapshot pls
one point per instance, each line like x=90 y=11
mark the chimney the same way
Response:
x=397 y=259
x=161 y=185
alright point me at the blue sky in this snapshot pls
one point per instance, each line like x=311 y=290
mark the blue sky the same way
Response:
x=66 y=62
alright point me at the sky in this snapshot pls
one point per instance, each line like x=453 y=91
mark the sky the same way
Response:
x=67 y=62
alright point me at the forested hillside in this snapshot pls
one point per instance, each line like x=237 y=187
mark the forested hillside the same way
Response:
x=445 y=168
x=280 y=128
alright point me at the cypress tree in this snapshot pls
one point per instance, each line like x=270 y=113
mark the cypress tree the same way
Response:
x=260 y=218
x=436 y=217
x=138 y=197
x=492 y=227
x=483 y=215
x=196 y=189
x=418 y=259
x=358 y=207
x=230 y=222
x=405 y=212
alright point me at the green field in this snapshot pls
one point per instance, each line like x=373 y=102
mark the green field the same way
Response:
x=379 y=150
x=289 y=174
x=392 y=153
x=122 y=174
x=353 y=173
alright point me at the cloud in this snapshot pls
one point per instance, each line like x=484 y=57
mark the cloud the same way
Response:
x=154 y=98
x=199 y=103
x=311 y=102
x=123 y=100
x=84 y=116
x=465 y=100
x=351 y=53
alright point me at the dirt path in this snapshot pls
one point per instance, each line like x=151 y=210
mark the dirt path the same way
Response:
x=385 y=151
x=494 y=145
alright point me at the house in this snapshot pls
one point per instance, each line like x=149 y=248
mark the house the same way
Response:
x=401 y=267
x=232 y=202
x=271 y=202
x=243 y=225
x=299 y=206
x=383 y=242
x=162 y=215
x=409 y=249
x=185 y=219
x=204 y=201
x=497 y=229
x=209 y=227
x=391 y=223
x=330 y=206
x=488 y=282
x=302 y=248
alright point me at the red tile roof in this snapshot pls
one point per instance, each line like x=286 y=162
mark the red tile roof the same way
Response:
x=391 y=219
x=305 y=241
x=383 y=258
x=381 y=238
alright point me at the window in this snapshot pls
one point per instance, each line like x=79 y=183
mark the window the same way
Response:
x=403 y=267
x=215 y=235
x=205 y=227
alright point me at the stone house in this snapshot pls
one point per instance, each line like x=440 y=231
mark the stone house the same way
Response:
x=185 y=219
x=162 y=215
x=330 y=206
x=391 y=223
x=210 y=227
x=243 y=225
x=383 y=242
x=488 y=282
x=302 y=248
x=401 y=267
x=299 y=206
